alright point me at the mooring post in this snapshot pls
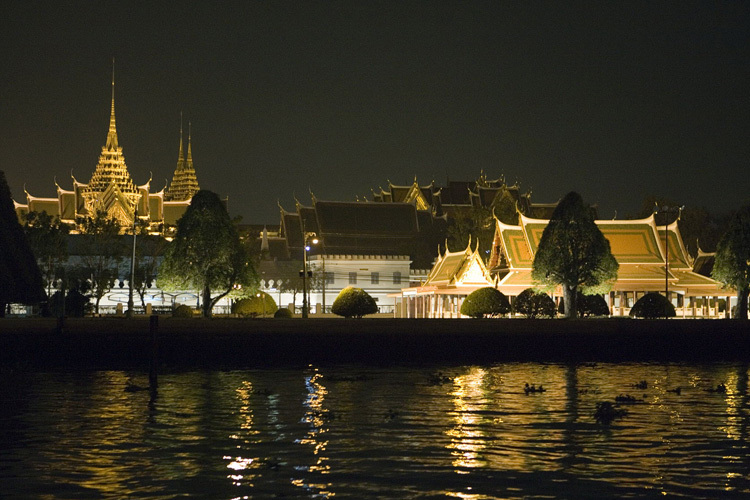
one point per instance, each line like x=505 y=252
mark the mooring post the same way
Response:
x=153 y=366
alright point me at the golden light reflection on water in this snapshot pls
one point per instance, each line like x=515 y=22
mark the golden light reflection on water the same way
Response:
x=320 y=432
x=316 y=416
x=466 y=435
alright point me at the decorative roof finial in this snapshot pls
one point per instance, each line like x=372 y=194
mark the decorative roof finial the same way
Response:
x=112 y=134
x=180 y=157
x=190 y=150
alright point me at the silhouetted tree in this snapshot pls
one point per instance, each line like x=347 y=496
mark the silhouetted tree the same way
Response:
x=732 y=263
x=20 y=278
x=101 y=252
x=476 y=224
x=48 y=238
x=148 y=250
x=573 y=253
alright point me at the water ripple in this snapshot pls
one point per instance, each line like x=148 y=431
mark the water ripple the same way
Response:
x=467 y=432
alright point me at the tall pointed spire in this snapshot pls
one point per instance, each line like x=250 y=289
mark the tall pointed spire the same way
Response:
x=180 y=157
x=111 y=189
x=189 y=151
x=184 y=182
x=112 y=134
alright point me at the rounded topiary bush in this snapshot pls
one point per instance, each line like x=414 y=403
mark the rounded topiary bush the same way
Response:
x=533 y=304
x=354 y=303
x=183 y=311
x=588 y=305
x=486 y=301
x=283 y=313
x=255 y=306
x=592 y=305
x=653 y=305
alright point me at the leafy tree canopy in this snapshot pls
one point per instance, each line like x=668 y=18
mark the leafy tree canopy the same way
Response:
x=573 y=253
x=732 y=262
x=485 y=301
x=207 y=254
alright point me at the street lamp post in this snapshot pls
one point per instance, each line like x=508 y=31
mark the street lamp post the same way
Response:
x=309 y=238
x=667 y=210
x=129 y=312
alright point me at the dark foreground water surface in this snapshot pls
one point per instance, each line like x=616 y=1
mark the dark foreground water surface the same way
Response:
x=467 y=432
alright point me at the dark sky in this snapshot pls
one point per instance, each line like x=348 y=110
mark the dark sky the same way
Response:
x=616 y=100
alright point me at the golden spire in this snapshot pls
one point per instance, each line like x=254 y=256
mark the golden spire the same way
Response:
x=112 y=134
x=184 y=182
x=180 y=157
x=111 y=189
x=189 y=151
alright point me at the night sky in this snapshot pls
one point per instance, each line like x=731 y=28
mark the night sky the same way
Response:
x=617 y=100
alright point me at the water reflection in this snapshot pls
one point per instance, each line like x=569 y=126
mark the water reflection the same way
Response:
x=359 y=432
x=316 y=417
x=466 y=435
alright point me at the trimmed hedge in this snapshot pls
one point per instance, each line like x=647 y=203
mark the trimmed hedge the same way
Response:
x=354 y=303
x=533 y=304
x=485 y=301
x=588 y=305
x=653 y=305
x=255 y=306
x=283 y=313
x=183 y=311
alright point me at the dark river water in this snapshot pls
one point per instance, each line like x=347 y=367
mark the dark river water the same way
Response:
x=468 y=432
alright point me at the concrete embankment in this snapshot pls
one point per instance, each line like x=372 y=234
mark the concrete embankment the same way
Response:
x=116 y=343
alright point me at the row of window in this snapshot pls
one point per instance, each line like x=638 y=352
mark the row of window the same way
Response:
x=374 y=278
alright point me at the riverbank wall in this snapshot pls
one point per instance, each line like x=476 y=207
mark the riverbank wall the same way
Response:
x=117 y=343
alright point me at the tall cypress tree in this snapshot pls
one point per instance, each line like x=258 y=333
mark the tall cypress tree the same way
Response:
x=573 y=253
x=20 y=279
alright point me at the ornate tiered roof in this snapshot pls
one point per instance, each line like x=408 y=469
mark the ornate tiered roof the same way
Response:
x=456 y=269
x=111 y=189
x=184 y=182
x=639 y=246
x=460 y=197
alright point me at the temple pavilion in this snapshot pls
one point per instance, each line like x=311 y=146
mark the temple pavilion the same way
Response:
x=112 y=190
x=652 y=259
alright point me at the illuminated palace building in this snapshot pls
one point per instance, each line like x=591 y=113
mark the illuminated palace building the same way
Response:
x=112 y=190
